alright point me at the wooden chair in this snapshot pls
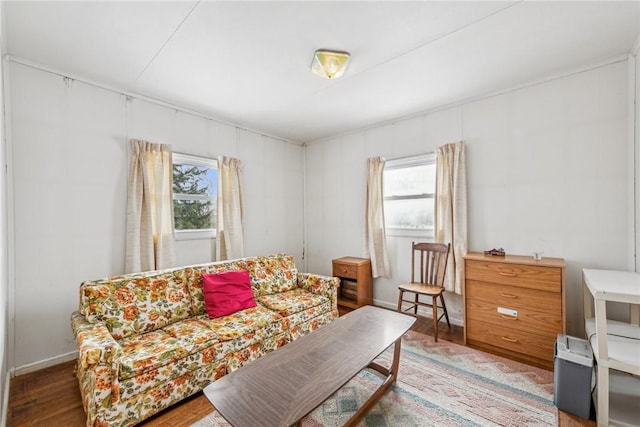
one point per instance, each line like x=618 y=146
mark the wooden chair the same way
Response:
x=433 y=266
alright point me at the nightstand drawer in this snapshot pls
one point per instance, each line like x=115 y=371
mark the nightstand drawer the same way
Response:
x=513 y=296
x=501 y=337
x=521 y=275
x=349 y=271
x=542 y=323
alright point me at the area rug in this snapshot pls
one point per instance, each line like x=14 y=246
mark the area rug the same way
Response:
x=440 y=384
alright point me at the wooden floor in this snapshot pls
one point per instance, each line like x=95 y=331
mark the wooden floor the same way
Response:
x=51 y=397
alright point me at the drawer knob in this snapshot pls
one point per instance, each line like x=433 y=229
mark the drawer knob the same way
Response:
x=509 y=295
x=508 y=317
x=345 y=270
x=509 y=339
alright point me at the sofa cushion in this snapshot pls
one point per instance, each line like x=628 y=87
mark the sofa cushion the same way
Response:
x=245 y=322
x=153 y=350
x=291 y=302
x=146 y=352
x=227 y=292
x=269 y=274
x=272 y=274
x=304 y=316
x=194 y=335
x=131 y=305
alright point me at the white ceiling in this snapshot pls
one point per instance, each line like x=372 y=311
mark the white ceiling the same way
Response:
x=249 y=62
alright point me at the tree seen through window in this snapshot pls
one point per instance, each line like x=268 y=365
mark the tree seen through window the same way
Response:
x=194 y=195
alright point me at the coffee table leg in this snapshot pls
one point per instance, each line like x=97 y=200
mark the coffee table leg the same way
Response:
x=391 y=375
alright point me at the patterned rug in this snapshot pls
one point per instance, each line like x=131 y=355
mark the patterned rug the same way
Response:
x=441 y=384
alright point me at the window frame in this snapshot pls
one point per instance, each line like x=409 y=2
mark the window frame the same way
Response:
x=189 y=159
x=402 y=163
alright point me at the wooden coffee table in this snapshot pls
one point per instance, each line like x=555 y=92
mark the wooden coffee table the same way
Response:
x=282 y=387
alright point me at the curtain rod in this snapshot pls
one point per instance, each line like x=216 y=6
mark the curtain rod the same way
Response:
x=411 y=157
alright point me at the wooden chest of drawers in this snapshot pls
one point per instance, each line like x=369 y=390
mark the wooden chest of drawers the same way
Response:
x=514 y=305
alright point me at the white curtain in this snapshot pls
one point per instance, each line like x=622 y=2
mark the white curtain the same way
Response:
x=230 y=238
x=451 y=210
x=150 y=236
x=374 y=233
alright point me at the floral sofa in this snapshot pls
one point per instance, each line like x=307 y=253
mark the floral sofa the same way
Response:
x=145 y=340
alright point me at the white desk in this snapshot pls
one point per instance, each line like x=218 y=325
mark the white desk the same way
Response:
x=616 y=345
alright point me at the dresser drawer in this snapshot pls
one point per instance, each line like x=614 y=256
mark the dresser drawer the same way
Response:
x=548 y=324
x=345 y=270
x=501 y=337
x=505 y=295
x=521 y=275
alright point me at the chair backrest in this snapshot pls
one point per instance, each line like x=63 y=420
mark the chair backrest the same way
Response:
x=433 y=262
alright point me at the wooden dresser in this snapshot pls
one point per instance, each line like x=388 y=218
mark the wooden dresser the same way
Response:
x=356 y=283
x=514 y=305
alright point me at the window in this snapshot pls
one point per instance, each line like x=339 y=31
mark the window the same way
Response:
x=195 y=190
x=409 y=195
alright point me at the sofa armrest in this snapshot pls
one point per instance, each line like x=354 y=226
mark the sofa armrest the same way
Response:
x=96 y=346
x=98 y=365
x=321 y=285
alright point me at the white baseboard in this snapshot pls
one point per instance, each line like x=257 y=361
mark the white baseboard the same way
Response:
x=35 y=366
x=421 y=311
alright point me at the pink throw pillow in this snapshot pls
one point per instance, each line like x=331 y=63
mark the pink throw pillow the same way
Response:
x=227 y=292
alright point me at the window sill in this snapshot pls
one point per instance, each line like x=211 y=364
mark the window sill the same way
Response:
x=195 y=234
x=408 y=232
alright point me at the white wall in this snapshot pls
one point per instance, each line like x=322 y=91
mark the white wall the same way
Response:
x=70 y=160
x=336 y=182
x=634 y=156
x=4 y=270
x=634 y=151
x=547 y=171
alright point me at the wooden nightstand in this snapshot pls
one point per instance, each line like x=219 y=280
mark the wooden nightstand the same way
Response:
x=355 y=281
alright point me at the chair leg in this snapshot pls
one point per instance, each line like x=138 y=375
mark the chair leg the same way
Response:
x=415 y=307
x=400 y=300
x=435 y=317
x=444 y=307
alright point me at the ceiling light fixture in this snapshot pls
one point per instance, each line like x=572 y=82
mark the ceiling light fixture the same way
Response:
x=329 y=64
